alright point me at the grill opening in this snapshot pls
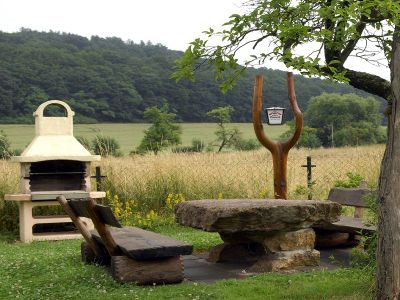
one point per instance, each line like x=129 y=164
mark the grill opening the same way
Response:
x=57 y=175
x=55 y=110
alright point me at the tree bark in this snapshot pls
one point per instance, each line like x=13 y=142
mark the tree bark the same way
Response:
x=388 y=251
x=370 y=83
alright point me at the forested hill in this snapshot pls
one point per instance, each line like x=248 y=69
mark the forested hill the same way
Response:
x=109 y=80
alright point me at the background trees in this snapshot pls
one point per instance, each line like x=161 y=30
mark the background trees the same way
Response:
x=162 y=133
x=340 y=120
x=109 y=80
x=352 y=120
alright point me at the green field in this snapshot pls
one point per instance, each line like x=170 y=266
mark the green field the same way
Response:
x=129 y=135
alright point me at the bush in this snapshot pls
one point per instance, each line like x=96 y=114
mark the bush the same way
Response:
x=246 y=144
x=5 y=146
x=353 y=181
x=197 y=146
x=106 y=146
x=364 y=255
x=308 y=137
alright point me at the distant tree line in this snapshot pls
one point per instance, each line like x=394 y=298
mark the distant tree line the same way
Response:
x=334 y=120
x=110 y=80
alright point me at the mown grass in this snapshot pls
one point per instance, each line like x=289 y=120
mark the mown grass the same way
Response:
x=130 y=135
x=53 y=270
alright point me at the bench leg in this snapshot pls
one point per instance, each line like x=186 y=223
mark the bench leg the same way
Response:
x=158 y=271
x=89 y=257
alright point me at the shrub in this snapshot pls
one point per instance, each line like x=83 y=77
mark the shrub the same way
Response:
x=106 y=146
x=246 y=144
x=197 y=146
x=364 y=255
x=308 y=137
x=5 y=146
x=353 y=181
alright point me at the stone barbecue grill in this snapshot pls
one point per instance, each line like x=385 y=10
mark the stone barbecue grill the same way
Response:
x=53 y=164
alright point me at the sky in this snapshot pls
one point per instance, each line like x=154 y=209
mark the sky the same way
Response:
x=172 y=23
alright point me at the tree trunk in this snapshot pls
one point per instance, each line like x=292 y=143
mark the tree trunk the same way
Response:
x=388 y=251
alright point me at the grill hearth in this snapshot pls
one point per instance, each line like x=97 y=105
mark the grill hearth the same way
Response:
x=57 y=175
x=53 y=164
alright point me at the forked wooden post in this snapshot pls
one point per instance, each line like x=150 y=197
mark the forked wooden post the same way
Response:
x=278 y=149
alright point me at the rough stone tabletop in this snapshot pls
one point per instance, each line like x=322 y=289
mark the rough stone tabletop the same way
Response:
x=256 y=215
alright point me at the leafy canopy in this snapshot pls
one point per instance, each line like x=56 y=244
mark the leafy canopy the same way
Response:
x=315 y=37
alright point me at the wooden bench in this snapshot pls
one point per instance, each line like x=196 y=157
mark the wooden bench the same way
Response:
x=347 y=230
x=135 y=255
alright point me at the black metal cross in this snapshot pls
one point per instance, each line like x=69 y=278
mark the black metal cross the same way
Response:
x=309 y=167
x=98 y=177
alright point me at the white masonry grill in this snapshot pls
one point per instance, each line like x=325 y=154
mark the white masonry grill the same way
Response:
x=55 y=162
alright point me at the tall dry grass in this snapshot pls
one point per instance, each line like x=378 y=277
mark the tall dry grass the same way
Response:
x=149 y=179
x=9 y=183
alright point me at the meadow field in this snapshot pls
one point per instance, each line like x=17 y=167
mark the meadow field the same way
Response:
x=142 y=191
x=129 y=135
x=149 y=179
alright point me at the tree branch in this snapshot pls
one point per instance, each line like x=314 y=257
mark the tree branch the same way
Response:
x=353 y=42
x=370 y=83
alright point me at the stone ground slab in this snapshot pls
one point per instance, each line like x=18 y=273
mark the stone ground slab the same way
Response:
x=198 y=269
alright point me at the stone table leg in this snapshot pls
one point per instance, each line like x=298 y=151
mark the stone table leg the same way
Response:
x=268 y=251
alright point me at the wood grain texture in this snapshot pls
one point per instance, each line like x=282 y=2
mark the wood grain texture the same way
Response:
x=278 y=149
x=350 y=225
x=141 y=244
x=105 y=214
x=80 y=225
x=103 y=231
x=349 y=196
x=158 y=271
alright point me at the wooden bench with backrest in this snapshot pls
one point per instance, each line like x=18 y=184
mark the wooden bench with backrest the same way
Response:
x=135 y=255
x=347 y=230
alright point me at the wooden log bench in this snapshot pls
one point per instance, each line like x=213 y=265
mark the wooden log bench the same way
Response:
x=135 y=255
x=346 y=231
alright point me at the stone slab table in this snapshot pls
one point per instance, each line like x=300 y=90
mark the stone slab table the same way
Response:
x=271 y=235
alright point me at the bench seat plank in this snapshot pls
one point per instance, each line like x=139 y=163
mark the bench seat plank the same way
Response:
x=142 y=244
x=350 y=225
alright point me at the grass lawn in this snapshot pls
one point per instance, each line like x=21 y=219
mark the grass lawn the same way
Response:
x=129 y=135
x=53 y=270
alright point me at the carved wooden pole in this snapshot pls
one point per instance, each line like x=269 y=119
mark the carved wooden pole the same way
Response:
x=278 y=149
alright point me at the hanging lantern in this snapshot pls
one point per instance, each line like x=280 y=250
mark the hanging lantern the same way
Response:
x=275 y=115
